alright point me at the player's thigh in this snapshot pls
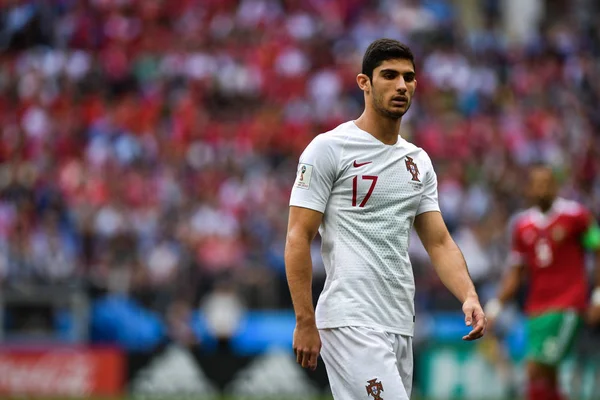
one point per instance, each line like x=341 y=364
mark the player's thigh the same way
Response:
x=551 y=336
x=404 y=360
x=361 y=364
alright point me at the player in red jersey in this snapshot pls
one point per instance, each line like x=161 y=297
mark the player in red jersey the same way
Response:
x=549 y=242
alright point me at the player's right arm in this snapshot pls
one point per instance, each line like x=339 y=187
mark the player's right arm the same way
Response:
x=510 y=283
x=508 y=289
x=303 y=226
x=315 y=178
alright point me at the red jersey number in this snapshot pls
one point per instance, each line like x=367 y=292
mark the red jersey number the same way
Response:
x=543 y=253
x=373 y=180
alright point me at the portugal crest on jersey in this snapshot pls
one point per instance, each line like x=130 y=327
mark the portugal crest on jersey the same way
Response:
x=412 y=168
x=374 y=389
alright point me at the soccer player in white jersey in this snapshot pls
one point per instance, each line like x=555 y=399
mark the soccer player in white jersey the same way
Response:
x=363 y=187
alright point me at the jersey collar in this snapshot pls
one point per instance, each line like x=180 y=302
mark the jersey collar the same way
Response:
x=541 y=219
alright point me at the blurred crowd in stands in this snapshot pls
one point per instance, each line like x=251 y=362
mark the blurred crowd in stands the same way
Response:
x=149 y=147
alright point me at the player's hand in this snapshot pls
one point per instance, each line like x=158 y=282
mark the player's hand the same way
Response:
x=490 y=324
x=307 y=345
x=593 y=312
x=593 y=315
x=474 y=317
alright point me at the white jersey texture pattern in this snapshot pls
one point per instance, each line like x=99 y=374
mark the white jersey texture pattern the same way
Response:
x=370 y=194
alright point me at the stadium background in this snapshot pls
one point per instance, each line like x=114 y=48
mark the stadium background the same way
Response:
x=147 y=154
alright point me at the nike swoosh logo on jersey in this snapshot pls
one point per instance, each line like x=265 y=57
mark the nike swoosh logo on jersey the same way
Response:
x=356 y=165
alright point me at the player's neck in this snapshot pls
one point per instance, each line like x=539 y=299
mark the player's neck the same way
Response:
x=545 y=208
x=386 y=130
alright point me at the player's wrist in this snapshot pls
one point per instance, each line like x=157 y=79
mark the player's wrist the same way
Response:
x=305 y=320
x=471 y=296
x=596 y=296
x=493 y=308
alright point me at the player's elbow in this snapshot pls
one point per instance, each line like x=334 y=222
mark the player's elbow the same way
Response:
x=440 y=242
x=297 y=239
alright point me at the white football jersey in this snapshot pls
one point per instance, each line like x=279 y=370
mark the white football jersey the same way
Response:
x=369 y=193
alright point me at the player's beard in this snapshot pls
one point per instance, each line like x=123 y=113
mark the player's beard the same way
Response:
x=378 y=104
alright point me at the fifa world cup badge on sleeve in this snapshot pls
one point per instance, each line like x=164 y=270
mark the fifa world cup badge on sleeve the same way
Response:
x=304 y=175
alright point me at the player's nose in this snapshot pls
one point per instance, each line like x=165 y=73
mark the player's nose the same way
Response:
x=401 y=85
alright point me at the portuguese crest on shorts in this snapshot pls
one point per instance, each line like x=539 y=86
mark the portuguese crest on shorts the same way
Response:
x=412 y=168
x=374 y=388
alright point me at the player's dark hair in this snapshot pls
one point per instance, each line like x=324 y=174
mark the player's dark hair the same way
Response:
x=382 y=50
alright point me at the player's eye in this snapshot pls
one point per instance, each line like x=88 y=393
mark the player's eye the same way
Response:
x=409 y=77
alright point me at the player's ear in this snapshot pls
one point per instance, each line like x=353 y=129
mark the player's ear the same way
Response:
x=364 y=83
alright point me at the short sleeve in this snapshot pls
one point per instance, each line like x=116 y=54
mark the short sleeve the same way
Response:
x=429 y=198
x=315 y=175
x=583 y=219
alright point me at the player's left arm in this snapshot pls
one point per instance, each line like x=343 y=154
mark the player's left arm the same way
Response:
x=591 y=242
x=594 y=310
x=451 y=267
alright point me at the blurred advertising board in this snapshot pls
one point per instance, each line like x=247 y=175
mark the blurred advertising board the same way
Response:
x=61 y=371
x=461 y=371
x=177 y=371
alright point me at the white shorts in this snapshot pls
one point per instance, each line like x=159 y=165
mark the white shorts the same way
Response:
x=367 y=364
